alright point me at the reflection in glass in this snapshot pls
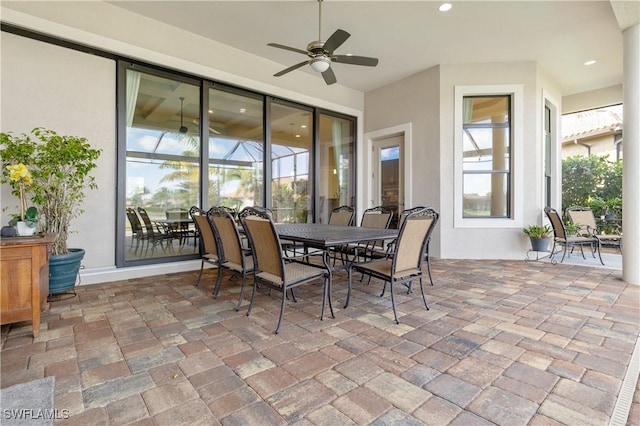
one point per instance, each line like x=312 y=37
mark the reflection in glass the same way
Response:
x=486 y=155
x=479 y=200
x=162 y=165
x=291 y=179
x=336 y=164
x=236 y=150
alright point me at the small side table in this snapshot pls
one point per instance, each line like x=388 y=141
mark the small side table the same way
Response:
x=24 y=278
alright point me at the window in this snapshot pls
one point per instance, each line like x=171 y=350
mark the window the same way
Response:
x=184 y=141
x=486 y=162
x=487 y=122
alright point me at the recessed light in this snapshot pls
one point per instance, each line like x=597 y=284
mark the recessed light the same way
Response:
x=297 y=136
x=445 y=7
x=304 y=126
x=590 y=62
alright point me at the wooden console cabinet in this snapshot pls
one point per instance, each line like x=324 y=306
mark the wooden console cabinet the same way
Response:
x=24 y=278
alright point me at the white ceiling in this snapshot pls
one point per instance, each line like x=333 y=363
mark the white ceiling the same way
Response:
x=410 y=36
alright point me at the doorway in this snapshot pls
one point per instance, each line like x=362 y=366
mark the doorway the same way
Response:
x=387 y=177
x=383 y=148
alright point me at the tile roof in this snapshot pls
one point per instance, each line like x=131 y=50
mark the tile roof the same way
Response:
x=590 y=123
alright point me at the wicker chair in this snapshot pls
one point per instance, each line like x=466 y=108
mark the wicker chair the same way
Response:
x=584 y=218
x=405 y=265
x=272 y=269
x=561 y=238
x=208 y=244
x=232 y=256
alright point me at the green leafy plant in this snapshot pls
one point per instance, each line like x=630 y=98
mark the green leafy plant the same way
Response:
x=572 y=228
x=597 y=205
x=538 y=231
x=588 y=180
x=60 y=167
x=30 y=218
x=613 y=206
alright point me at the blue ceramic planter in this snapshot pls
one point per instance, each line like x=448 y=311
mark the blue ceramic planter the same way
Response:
x=63 y=270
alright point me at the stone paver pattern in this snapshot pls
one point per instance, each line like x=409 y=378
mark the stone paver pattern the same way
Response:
x=504 y=343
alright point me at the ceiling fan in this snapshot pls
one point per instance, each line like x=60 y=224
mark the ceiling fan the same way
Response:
x=321 y=53
x=183 y=128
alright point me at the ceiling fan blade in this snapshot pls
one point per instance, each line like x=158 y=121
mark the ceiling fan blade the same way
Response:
x=291 y=68
x=292 y=49
x=329 y=76
x=355 y=60
x=335 y=40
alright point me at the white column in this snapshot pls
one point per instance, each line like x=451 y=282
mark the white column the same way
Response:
x=631 y=155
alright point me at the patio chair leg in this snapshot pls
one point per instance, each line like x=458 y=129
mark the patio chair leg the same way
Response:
x=429 y=268
x=241 y=292
x=600 y=252
x=253 y=293
x=409 y=287
x=328 y=286
x=216 y=289
x=393 y=303
x=281 y=311
x=564 y=253
x=200 y=275
x=424 y=298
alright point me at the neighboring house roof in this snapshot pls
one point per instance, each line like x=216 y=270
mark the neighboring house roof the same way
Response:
x=587 y=124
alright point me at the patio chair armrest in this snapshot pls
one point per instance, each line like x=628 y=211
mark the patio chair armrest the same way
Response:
x=315 y=252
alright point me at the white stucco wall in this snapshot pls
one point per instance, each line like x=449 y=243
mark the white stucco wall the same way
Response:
x=592 y=99
x=426 y=100
x=74 y=93
x=413 y=100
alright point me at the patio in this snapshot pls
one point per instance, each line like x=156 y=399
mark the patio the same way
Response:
x=505 y=342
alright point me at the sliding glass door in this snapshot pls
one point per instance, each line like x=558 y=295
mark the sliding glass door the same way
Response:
x=185 y=141
x=336 y=171
x=236 y=148
x=291 y=164
x=162 y=163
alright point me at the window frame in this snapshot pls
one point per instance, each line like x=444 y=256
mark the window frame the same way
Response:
x=514 y=219
x=122 y=64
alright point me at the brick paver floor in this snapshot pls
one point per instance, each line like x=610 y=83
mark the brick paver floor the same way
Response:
x=505 y=342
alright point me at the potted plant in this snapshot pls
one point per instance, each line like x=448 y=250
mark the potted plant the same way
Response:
x=19 y=177
x=539 y=236
x=59 y=167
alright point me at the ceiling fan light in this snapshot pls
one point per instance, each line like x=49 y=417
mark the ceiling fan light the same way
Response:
x=320 y=64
